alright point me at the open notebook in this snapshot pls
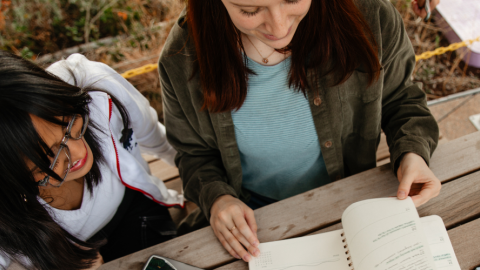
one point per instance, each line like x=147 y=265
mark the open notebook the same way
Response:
x=378 y=234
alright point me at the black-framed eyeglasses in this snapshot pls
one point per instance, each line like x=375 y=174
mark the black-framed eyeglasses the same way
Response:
x=64 y=149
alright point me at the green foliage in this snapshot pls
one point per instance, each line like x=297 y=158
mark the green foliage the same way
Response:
x=43 y=26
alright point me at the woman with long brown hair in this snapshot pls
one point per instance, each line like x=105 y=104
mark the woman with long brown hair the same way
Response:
x=266 y=99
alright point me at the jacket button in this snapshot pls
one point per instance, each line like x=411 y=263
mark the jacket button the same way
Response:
x=328 y=144
x=338 y=177
x=317 y=101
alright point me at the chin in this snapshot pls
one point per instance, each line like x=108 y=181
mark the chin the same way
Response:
x=277 y=44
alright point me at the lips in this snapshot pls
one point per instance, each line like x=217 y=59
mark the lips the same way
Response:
x=273 y=38
x=77 y=165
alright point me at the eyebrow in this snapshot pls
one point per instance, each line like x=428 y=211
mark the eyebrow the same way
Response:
x=238 y=5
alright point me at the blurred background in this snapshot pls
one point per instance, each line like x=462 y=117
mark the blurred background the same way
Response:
x=127 y=34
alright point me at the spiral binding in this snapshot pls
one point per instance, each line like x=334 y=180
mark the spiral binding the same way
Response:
x=347 y=251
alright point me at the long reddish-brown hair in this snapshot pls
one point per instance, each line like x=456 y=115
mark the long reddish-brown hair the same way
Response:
x=333 y=34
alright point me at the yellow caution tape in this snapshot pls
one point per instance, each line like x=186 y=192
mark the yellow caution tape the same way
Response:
x=138 y=71
x=454 y=46
x=442 y=50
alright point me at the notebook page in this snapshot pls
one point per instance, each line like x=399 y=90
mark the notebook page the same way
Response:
x=440 y=245
x=314 y=252
x=386 y=234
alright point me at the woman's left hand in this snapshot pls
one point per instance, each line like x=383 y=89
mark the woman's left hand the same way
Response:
x=420 y=11
x=416 y=180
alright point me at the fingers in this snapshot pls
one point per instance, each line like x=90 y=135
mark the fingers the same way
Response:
x=429 y=190
x=245 y=243
x=419 y=7
x=419 y=3
x=405 y=185
x=227 y=246
x=237 y=243
x=245 y=235
x=234 y=225
x=421 y=12
x=252 y=223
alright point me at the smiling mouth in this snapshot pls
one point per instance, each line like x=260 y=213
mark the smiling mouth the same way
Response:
x=77 y=165
x=271 y=37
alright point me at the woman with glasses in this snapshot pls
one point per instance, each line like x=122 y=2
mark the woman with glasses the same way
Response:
x=74 y=186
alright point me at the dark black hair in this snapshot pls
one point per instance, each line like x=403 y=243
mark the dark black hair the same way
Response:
x=26 y=227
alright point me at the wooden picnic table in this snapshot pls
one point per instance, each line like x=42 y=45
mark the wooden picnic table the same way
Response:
x=456 y=163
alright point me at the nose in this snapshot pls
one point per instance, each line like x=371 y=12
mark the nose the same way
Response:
x=277 y=23
x=77 y=149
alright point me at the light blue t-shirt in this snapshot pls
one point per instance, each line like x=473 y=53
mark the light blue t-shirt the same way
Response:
x=276 y=136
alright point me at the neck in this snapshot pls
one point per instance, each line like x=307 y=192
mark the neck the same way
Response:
x=258 y=51
x=68 y=196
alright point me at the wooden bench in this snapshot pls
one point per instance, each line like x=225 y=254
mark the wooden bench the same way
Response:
x=455 y=163
x=202 y=249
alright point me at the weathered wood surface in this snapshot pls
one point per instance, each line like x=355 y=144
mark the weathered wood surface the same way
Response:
x=149 y=158
x=175 y=184
x=162 y=170
x=382 y=150
x=466 y=243
x=458 y=203
x=310 y=211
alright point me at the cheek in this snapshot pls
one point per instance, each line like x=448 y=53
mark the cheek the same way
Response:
x=90 y=158
x=300 y=10
x=247 y=24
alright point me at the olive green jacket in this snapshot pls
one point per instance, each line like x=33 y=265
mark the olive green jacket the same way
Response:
x=348 y=117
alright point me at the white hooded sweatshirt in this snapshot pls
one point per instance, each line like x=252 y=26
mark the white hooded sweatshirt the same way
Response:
x=124 y=165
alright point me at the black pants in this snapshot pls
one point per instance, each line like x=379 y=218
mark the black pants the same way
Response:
x=138 y=223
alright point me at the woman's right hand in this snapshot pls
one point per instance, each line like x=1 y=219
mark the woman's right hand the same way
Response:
x=234 y=224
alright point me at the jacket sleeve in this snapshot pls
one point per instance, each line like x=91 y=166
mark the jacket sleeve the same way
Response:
x=150 y=133
x=198 y=159
x=4 y=261
x=406 y=120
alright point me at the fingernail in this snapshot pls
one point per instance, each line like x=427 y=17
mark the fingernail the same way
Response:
x=246 y=258
x=401 y=195
x=256 y=253
x=255 y=243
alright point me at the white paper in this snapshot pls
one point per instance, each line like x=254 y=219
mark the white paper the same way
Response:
x=439 y=242
x=386 y=234
x=315 y=252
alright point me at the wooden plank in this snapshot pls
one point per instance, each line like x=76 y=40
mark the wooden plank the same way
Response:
x=149 y=158
x=457 y=203
x=382 y=150
x=163 y=171
x=175 y=184
x=465 y=241
x=320 y=208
